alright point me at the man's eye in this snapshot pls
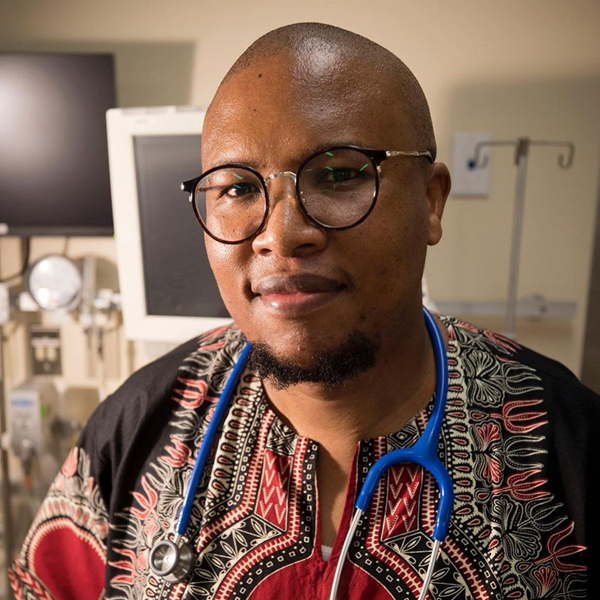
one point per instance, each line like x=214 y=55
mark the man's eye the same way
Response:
x=240 y=189
x=338 y=174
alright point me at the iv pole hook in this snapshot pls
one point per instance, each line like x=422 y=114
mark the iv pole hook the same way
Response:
x=522 y=146
x=565 y=160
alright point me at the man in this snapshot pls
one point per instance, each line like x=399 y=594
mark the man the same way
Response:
x=318 y=245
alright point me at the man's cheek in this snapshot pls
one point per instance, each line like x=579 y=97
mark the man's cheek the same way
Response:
x=225 y=264
x=228 y=281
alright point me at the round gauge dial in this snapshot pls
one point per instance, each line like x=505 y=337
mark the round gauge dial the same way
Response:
x=55 y=283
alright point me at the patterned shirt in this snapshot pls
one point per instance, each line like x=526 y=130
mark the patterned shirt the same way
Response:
x=519 y=440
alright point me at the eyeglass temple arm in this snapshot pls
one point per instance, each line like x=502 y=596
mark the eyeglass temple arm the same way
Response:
x=188 y=186
x=415 y=153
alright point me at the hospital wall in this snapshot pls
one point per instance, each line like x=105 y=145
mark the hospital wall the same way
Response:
x=526 y=68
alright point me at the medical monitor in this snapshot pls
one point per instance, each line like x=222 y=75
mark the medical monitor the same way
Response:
x=167 y=287
x=53 y=154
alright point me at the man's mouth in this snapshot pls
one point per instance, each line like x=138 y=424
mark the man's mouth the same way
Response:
x=296 y=294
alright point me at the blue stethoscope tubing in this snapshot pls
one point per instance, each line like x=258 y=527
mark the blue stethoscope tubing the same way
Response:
x=173 y=559
x=423 y=452
x=211 y=433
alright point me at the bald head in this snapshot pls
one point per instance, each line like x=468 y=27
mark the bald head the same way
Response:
x=303 y=91
x=319 y=52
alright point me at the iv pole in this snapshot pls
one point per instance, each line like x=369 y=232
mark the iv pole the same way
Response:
x=5 y=470
x=522 y=147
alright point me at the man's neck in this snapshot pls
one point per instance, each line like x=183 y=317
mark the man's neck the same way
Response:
x=377 y=402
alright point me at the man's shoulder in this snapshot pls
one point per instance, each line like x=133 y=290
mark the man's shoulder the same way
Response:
x=173 y=373
x=473 y=340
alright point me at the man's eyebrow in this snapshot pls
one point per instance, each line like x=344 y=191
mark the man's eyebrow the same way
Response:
x=233 y=161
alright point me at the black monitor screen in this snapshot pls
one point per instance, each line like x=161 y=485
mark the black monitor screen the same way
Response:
x=177 y=276
x=54 y=177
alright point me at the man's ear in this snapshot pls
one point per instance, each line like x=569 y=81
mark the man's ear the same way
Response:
x=438 y=189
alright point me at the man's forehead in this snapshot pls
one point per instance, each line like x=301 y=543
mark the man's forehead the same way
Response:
x=296 y=84
x=280 y=96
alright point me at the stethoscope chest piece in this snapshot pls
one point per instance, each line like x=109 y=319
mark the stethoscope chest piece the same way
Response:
x=170 y=561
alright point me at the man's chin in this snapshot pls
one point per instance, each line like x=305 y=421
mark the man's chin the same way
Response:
x=330 y=368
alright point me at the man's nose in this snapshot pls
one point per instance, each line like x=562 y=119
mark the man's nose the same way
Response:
x=288 y=231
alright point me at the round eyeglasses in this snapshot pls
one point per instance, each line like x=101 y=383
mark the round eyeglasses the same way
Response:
x=336 y=188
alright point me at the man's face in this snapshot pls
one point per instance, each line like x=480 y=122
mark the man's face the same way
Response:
x=296 y=287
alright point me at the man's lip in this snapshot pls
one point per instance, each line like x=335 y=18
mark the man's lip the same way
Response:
x=294 y=296
x=304 y=283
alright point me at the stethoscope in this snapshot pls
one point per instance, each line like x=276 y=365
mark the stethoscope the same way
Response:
x=173 y=559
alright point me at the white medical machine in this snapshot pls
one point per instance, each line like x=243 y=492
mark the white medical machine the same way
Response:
x=168 y=291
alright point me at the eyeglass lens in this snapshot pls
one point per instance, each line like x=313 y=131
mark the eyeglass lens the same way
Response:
x=231 y=203
x=337 y=189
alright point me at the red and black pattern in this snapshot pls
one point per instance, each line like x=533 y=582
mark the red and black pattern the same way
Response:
x=72 y=522
x=518 y=528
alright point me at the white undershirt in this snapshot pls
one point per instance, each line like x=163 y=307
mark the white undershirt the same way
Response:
x=326 y=552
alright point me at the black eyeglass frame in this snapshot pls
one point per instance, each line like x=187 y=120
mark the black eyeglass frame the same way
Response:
x=376 y=157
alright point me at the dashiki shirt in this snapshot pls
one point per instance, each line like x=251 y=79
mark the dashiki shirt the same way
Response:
x=520 y=439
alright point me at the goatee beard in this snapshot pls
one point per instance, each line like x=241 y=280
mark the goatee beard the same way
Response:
x=329 y=368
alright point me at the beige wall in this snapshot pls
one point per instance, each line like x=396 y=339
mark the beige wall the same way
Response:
x=513 y=68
